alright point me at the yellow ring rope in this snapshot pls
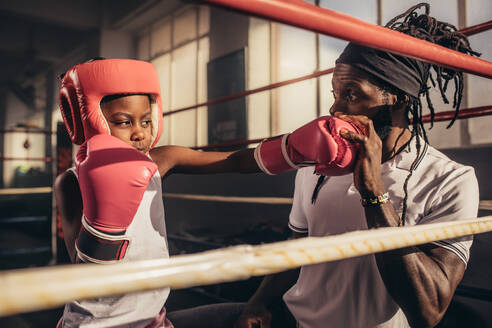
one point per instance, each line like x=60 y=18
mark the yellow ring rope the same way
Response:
x=40 y=288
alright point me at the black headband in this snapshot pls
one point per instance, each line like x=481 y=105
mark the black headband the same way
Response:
x=403 y=73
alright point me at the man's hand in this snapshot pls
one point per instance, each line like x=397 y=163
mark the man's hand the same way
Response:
x=254 y=316
x=367 y=169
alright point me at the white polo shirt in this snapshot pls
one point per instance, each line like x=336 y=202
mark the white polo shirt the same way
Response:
x=351 y=292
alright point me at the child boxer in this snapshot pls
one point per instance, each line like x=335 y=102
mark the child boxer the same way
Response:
x=111 y=202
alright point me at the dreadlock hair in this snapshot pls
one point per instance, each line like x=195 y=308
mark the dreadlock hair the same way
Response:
x=426 y=27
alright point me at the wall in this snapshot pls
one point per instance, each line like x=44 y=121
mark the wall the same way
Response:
x=478 y=91
x=228 y=32
x=116 y=44
x=258 y=74
x=178 y=46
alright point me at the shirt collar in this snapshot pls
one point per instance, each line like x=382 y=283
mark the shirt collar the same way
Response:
x=406 y=157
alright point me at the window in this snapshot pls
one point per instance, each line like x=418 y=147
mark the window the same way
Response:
x=478 y=91
x=178 y=46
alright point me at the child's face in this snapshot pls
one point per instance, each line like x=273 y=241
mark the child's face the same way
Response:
x=129 y=119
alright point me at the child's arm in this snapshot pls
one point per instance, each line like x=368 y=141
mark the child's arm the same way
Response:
x=175 y=159
x=69 y=202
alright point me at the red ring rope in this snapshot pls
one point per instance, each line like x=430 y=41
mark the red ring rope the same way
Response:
x=305 y=15
x=462 y=114
x=252 y=91
x=475 y=29
x=439 y=117
x=472 y=30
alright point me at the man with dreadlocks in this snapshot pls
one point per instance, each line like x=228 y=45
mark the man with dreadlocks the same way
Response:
x=399 y=179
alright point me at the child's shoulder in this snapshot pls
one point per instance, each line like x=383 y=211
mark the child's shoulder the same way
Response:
x=165 y=157
x=66 y=183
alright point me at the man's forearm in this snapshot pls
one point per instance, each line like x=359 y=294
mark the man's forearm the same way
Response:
x=417 y=284
x=273 y=287
x=414 y=277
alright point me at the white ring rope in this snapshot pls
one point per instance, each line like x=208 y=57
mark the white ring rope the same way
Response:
x=22 y=191
x=484 y=204
x=34 y=289
x=231 y=199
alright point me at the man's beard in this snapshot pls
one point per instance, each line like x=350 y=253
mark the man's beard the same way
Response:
x=382 y=123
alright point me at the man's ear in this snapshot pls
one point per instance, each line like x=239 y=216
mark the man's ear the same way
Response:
x=390 y=98
x=402 y=98
x=401 y=101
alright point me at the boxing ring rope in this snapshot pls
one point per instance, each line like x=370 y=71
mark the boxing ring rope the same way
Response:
x=438 y=117
x=462 y=114
x=26 y=130
x=231 y=199
x=443 y=116
x=472 y=30
x=35 y=289
x=252 y=91
x=42 y=159
x=342 y=26
x=23 y=191
x=475 y=29
x=484 y=204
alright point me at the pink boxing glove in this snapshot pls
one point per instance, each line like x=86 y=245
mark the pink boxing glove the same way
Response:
x=316 y=143
x=113 y=177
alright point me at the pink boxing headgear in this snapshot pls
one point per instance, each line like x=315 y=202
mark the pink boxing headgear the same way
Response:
x=84 y=86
